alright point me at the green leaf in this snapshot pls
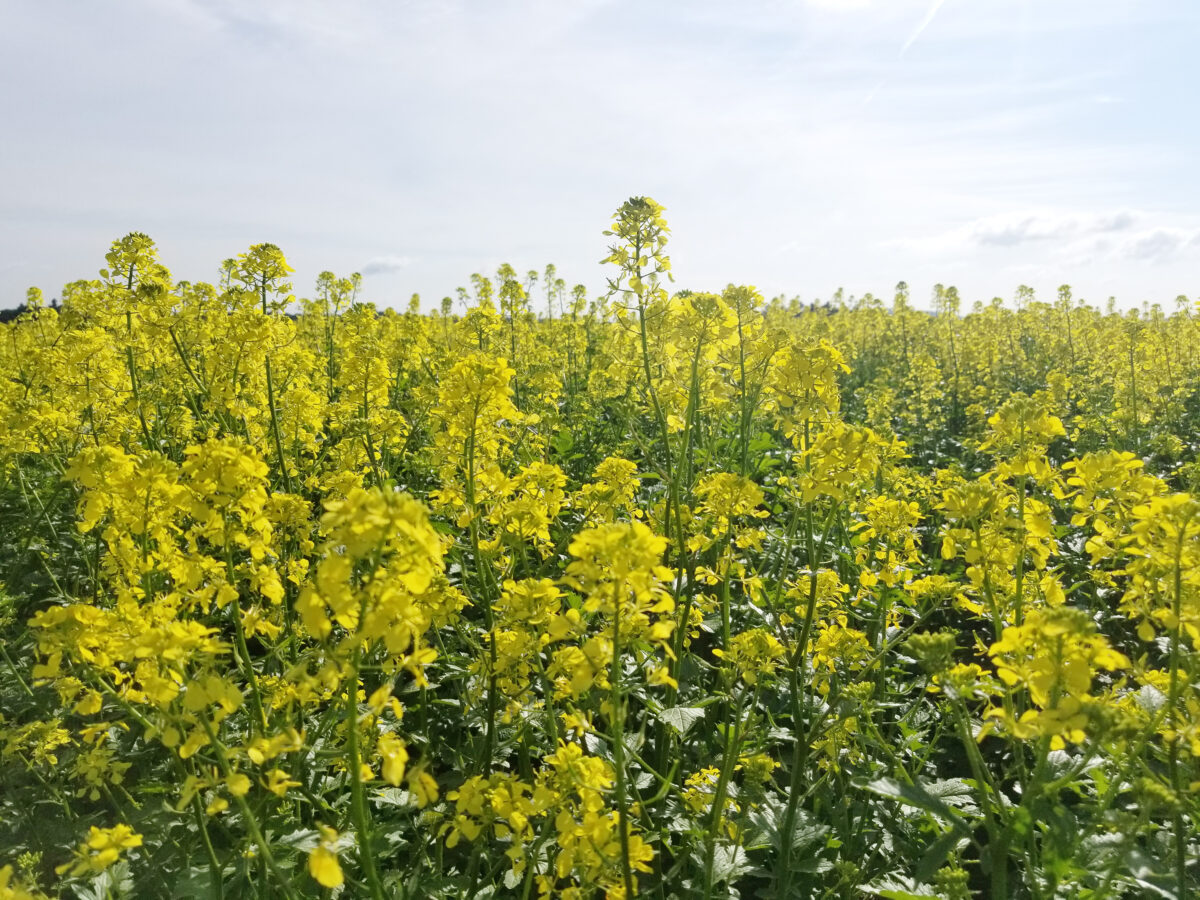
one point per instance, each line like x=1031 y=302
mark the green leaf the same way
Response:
x=936 y=854
x=957 y=794
x=916 y=794
x=302 y=839
x=563 y=442
x=897 y=887
x=682 y=718
x=192 y=884
x=729 y=863
x=393 y=796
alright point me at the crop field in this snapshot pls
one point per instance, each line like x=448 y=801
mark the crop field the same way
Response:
x=647 y=592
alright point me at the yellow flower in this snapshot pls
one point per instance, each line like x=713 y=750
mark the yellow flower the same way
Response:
x=278 y=782
x=102 y=848
x=10 y=890
x=753 y=654
x=394 y=754
x=323 y=863
x=238 y=784
x=1055 y=655
x=424 y=787
x=727 y=497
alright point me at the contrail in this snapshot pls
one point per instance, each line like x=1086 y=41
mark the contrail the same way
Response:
x=930 y=14
x=920 y=29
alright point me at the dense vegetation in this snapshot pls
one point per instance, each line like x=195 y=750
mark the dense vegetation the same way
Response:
x=657 y=594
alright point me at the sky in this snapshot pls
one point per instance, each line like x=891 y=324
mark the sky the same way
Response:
x=799 y=146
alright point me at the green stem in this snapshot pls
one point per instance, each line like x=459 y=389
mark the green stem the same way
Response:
x=358 y=802
x=733 y=739
x=260 y=841
x=618 y=735
x=997 y=836
x=1173 y=705
x=16 y=674
x=283 y=469
x=214 y=864
x=799 y=660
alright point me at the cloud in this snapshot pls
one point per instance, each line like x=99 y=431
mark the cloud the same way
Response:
x=1158 y=243
x=1073 y=232
x=390 y=263
x=1010 y=230
x=1061 y=239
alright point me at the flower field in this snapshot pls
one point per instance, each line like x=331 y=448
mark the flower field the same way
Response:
x=654 y=593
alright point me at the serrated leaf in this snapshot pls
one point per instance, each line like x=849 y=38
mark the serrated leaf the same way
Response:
x=303 y=839
x=192 y=884
x=956 y=793
x=682 y=718
x=936 y=854
x=1150 y=698
x=393 y=797
x=918 y=795
x=897 y=887
x=729 y=863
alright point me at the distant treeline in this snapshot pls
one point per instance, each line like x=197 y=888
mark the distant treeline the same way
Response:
x=11 y=315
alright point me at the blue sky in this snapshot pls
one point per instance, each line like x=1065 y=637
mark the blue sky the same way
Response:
x=799 y=146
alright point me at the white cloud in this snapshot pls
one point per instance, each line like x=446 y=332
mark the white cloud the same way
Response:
x=1050 y=241
x=389 y=263
x=1023 y=229
x=1159 y=243
x=1009 y=230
